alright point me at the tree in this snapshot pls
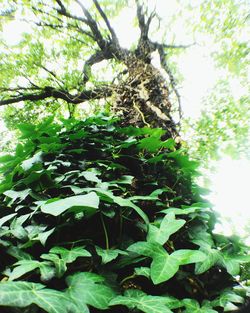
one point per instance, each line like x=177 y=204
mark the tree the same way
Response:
x=104 y=212
x=136 y=97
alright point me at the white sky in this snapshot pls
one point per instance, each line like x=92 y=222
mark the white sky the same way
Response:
x=230 y=183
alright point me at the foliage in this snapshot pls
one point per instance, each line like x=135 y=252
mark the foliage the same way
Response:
x=222 y=28
x=97 y=217
x=223 y=128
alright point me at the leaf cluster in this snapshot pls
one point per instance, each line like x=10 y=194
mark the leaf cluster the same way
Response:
x=97 y=217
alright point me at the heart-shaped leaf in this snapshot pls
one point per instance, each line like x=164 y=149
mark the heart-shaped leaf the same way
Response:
x=85 y=203
x=169 y=225
x=89 y=288
x=23 y=294
x=136 y=299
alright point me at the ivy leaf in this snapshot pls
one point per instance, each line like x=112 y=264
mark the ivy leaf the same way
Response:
x=227 y=297
x=231 y=264
x=123 y=202
x=182 y=211
x=84 y=203
x=163 y=267
x=25 y=266
x=27 y=164
x=143 y=248
x=143 y=302
x=212 y=257
x=169 y=225
x=18 y=253
x=6 y=218
x=89 y=288
x=59 y=263
x=90 y=176
x=185 y=256
x=109 y=255
x=70 y=256
x=14 y=195
x=124 y=180
x=151 y=144
x=192 y=306
x=143 y=271
x=42 y=237
x=23 y=294
x=128 y=203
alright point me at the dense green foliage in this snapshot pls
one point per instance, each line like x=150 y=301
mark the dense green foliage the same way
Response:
x=100 y=217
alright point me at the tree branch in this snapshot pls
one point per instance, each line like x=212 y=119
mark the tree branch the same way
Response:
x=58 y=81
x=48 y=92
x=104 y=16
x=143 y=24
x=93 y=26
x=177 y=46
x=62 y=7
x=95 y=58
x=68 y=26
x=173 y=83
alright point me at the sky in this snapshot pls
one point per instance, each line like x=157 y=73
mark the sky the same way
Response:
x=230 y=180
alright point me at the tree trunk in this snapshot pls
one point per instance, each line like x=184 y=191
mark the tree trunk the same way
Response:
x=143 y=98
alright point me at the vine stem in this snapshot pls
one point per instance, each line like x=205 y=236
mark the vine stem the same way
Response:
x=105 y=232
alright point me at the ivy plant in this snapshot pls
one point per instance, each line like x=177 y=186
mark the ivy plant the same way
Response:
x=98 y=217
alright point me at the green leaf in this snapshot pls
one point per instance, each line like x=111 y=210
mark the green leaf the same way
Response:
x=27 y=164
x=28 y=130
x=42 y=237
x=14 y=195
x=89 y=288
x=143 y=271
x=18 y=253
x=143 y=248
x=84 y=203
x=192 y=306
x=6 y=218
x=59 y=263
x=169 y=225
x=70 y=256
x=231 y=264
x=109 y=255
x=185 y=256
x=123 y=202
x=25 y=266
x=23 y=294
x=164 y=266
x=169 y=144
x=212 y=257
x=151 y=144
x=124 y=180
x=90 y=176
x=183 y=161
x=183 y=211
x=128 y=203
x=143 y=302
x=227 y=297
